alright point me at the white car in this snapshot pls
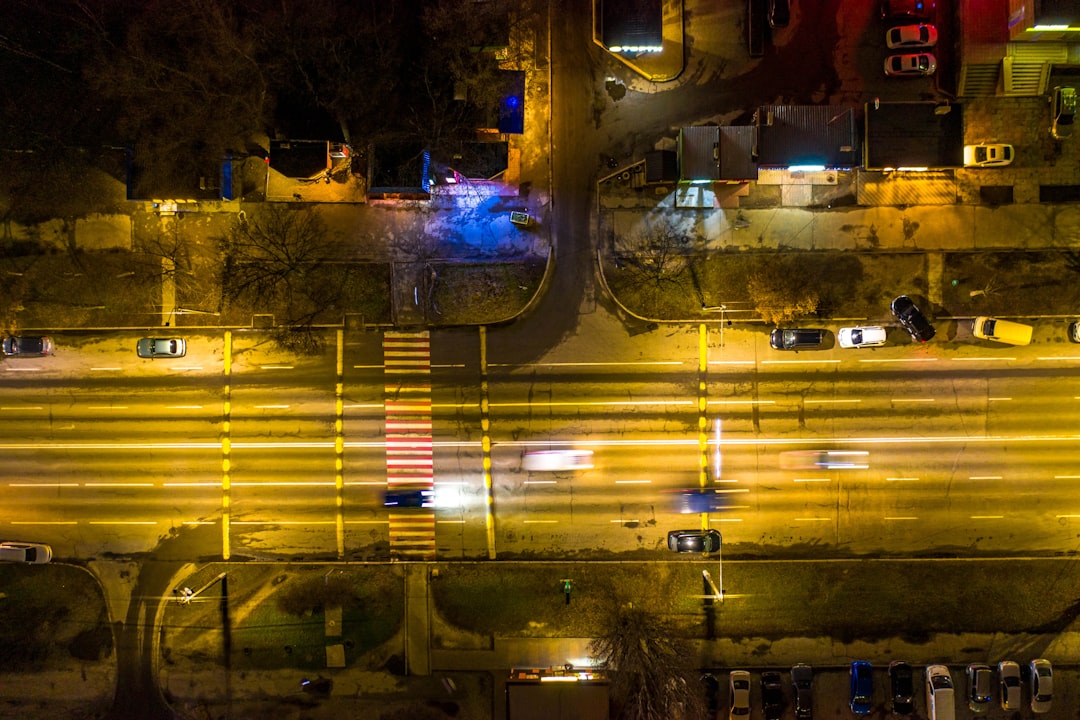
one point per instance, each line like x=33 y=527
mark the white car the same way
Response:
x=860 y=337
x=1009 y=686
x=739 y=694
x=1042 y=685
x=557 y=460
x=988 y=155
x=20 y=552
x=910 y=64
x=907 y=36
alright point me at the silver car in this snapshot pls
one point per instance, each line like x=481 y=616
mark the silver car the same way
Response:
x=860 y=337
x=161 y=348
x=1042 y=685
x=20 y=552
x=1009 y=674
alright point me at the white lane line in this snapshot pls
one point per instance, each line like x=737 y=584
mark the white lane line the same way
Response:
x=900 y=517
x=549 y=522
x=43 y=522
x=812 y=480
x=982 y=359
x=985 y=477
x=647 y=363
x=540 y=482
x=6 y=408
x=1062 y=357
x=1060 y=517
x=741 y=402
x=830 y=402
x=725 y=520
x=24 y=369
x=612 y=521
x=43 y=485
x=913 y=400
x=117 y=484
x=901 y=479
x=999 y=398
x=898 y=360
x=986 y=517
x=799 y=362
x=123 y=522
x=191 y=484
x=593 y=403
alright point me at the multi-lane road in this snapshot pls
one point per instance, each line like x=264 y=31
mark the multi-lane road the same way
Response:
x=969 y=449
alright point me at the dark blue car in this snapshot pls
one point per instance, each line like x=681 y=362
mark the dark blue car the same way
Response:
x=409 y=498
x=862 y=687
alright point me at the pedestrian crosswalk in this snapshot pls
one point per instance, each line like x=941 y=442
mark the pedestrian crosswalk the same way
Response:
x=409 y=463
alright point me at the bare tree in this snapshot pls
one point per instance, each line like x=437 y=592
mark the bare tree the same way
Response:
x=272 y=262
x=782 y=290
x=649 y=665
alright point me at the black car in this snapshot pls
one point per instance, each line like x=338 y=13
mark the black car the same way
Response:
x=409 y=498
x=912 y=319
x=712 y=693
x=772 y=695
x=27 y=346
x=901 y=687
x=693 y=541
x=796 y=338
x=779 y=13
x=802 y=677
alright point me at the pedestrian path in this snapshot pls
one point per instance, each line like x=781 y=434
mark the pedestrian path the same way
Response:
x=407 y=371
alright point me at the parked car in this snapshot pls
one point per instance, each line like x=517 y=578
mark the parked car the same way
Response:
x=161 y=348
x=860 y=337
x=824 y=460
x=988 y=155
x=711 y=686
x=1074 y=332
x=409 y=498
x=862 y=686
x=908 y=9
x=910 y=65
x=905 y=310
x=27 y=346
x=796 y=338
x=940 y=693
x=779 y=13
x=693 y=541
x=1004 y=331
x=979 y=681
x=738 y=694
x=1042 y=685
x=1009 y=684
x=772 y=695
x=911 y=36
x=1062 y=112
x=902 y=687
x=802 y=678
x=25 y=552
x=557 y=460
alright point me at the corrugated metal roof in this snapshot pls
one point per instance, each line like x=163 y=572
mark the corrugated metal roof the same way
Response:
x=631 y=23
x=699 y=150
x=806 y=135
x=736 y=153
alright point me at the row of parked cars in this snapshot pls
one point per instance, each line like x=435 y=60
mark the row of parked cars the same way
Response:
x=983 y=690
x=42 y=346
x=911 y=36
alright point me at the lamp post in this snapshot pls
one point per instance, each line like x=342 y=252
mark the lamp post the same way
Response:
x=720 y=309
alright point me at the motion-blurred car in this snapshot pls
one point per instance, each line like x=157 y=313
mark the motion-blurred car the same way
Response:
x=772 y=695
x=698 y=500
x=1042 y=685
x=901 y=687
x=1062 y=112
x=557 y=460
x=409 y=498
x=860 y=337
x=824 y=460
x=738 y=694
x=779 y=13
x=862 y=686
x=161 y=348
x=27 y=346
x=796 y=338
x=988 y=155
x=905 y=310
x=20 y=552
x=1009 y=685
x=802 y=678
x=910 y=65
x=908 y=9
x=911 y=36
x=693 y=541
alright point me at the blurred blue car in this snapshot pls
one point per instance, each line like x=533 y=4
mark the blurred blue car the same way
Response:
x=700 y=500
x=409 y=498
x=862 y=686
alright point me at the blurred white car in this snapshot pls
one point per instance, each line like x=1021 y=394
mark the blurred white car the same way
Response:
x=988 y=155
x=825 y=460
x=556 y=460
x=910 y=64
x=859 y=337
x=20 y=552
x=907 y=36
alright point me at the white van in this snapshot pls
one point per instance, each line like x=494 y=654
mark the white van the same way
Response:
x=1006 y=331
x=940 y=695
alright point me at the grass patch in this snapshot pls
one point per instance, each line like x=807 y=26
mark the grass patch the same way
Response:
x=468 y=293
x=277 y=615
x=1011 y=282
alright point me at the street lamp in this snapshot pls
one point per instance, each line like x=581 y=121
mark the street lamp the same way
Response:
x=720 y=309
